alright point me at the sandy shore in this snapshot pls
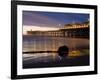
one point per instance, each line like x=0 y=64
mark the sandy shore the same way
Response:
x=47 y=62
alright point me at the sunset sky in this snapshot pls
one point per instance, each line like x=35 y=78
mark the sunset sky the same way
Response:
x=49 y=20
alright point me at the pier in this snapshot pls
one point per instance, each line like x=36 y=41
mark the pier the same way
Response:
x=69 y=30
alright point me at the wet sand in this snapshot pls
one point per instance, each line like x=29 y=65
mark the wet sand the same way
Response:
x=47 y=62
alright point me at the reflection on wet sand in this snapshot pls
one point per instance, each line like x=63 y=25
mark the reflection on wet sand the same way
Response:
x=31 y=43
x=78 y=51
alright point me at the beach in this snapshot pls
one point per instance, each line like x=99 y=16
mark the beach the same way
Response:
x=41 y=52
x=53 y=61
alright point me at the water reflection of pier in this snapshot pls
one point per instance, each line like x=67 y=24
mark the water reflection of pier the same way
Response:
x=69 y=30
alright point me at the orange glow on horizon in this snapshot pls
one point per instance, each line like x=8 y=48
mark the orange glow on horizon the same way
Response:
x=37 y=28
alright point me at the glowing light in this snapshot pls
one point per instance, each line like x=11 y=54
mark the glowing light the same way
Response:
x=37 y=28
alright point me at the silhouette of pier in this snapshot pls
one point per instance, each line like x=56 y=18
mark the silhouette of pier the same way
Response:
x=80 y=30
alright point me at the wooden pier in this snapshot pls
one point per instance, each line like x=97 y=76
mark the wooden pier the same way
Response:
x=69 y=30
